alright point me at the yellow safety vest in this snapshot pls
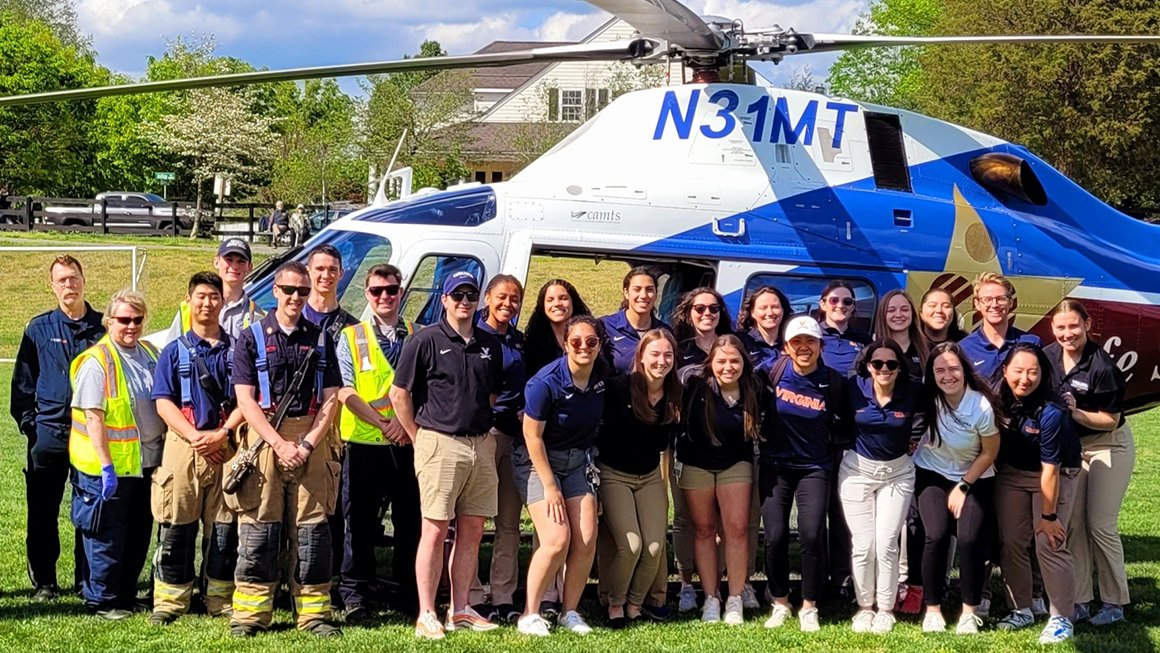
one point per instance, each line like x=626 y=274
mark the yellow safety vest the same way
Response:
x=373 y=375
x=120 y=424
x=187 y=316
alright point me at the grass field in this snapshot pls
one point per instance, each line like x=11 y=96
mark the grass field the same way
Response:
x=63 y=626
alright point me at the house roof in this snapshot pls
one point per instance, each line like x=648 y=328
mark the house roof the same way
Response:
x=506 y=77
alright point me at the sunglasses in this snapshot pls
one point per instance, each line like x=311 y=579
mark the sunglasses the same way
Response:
x=700 y=309
x=891 y=365
x=290 y=291
x=844 y=301
x=135 y=321
x=391 y=290
x=458 y=296
x=591 y=342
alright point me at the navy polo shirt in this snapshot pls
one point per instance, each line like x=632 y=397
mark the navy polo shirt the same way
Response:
x=510 y=401
x=798 y=435
x=689 y=353
x=987 y=359
x=760 y=352
x=332 y=323
x=840 y=350
x=206 y=412
x=451 y=380
x=1096 y=382
x=571 y=416
x=1032 y=437
x=883 y=432
x=284 y=354
x=623 y=339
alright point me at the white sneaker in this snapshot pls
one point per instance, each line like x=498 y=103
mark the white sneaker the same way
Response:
x=1058 y=629
x=711 y=611
x=749 y=598
x=778 y=616
x=984 y=608
x=573 y=622
x=968 y=624
x=883 y=623
x=863 y=620
x=687 y=598
x=534 y=625
x=933 y=622
x=808 y=620
x=734 y=611
x=1038 y=607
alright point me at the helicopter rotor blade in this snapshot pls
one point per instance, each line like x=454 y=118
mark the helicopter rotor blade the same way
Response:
x=623 y=50
x=837 y=42
x=667 y=20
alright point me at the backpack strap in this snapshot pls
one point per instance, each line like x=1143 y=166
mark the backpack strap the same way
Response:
x=778 y=371
x=263 y=365
x=320 y=367
x=185 y=356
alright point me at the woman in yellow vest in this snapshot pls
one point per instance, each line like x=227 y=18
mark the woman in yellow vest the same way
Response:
x=114 y=446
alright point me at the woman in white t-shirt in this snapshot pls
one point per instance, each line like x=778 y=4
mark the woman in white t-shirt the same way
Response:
x=954 y=480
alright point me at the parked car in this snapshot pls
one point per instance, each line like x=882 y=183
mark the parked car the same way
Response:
x=122 y=209
x=319 y=219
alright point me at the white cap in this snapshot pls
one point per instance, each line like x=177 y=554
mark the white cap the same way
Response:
x=802 y=325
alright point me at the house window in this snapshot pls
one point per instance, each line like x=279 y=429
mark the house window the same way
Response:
x=571 y=106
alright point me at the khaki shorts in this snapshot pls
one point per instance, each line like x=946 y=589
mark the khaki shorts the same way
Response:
x=695 y=478
x=456 y=475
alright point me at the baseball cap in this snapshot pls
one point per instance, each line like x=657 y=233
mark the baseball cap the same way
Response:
x=802 y=325
x=459 y=279
x=235 y=246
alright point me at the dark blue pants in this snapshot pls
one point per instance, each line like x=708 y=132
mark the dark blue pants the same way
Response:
x=371 y=476
x=116 y=534
x=45 y=479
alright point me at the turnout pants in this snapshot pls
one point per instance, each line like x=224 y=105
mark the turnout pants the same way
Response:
x=115 y=534
x=371 y=474
x=45 y=478
x=187 y=491
x=273 y=504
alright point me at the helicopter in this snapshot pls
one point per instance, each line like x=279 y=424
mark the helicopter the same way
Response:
x=736 y=186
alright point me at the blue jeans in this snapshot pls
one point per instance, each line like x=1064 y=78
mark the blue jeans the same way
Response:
x=115 y=534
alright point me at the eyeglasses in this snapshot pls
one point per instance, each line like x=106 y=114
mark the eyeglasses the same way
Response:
x=458 y=296
x=135 y=321
x=891 y=365
x=700 y=309
x=69 y=281
x=289 y=291
x=391 y=290
x=1001 y=300
x=591 y=342
x=844 y=301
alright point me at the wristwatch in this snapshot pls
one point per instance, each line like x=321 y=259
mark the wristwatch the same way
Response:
x=1049 y=517
x=965 y=487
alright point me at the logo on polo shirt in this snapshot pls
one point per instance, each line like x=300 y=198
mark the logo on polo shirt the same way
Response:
x=799 y=400
x=978 y=363
x=485 y=353
x=444 y=351
x=618 y=338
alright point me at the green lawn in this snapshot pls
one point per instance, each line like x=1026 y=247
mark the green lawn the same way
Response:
x=63 y=626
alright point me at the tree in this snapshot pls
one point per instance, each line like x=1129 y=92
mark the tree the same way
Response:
x=44 y=148
x=890 y=76
x=1088 y=110
x=60 y=16
x=219 y=134
x=316 y=155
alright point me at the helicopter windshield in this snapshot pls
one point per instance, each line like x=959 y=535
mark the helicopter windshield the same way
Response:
x=360 y=251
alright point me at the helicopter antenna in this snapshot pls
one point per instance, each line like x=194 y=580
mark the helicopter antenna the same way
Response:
x=381 y=195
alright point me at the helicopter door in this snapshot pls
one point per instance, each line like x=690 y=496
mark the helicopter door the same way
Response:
x=425 y=271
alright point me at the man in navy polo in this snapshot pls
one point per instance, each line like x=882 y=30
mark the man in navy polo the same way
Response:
x=444 y=387
x=988 y=344
x=40 y=399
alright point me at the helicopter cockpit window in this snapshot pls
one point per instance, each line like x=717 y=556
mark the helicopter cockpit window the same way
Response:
x=359 y=252
x=421 y=304
x=469 y=209
x=804 y=293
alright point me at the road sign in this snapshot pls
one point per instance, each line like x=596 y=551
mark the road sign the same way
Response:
x=164 y=176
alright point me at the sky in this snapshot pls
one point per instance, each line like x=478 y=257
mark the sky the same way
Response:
x=296 y=33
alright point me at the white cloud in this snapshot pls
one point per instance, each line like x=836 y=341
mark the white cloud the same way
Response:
x=135 y=20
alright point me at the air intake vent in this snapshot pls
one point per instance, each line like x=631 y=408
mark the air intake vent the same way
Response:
x=887 y=151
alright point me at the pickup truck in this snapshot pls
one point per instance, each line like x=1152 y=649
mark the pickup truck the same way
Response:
x=122 y=209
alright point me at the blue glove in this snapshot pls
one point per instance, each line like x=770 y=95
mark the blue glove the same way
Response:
x=108 y=482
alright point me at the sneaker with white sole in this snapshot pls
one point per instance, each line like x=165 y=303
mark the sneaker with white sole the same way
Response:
x=734 y=611
x=1017 y=620
x=883 y=623
x=808 y=620
x=1058 y=629
x=969 y=624
x=749 y=598
x=687 y=598
x=863 y=620
x=572 y=622
x=534 y=625
x=428 y=627
x=778 y=616
x=1107 y=615
x=711 y=610
x=933 y=622
x=1038 y=607
x=469 y=619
